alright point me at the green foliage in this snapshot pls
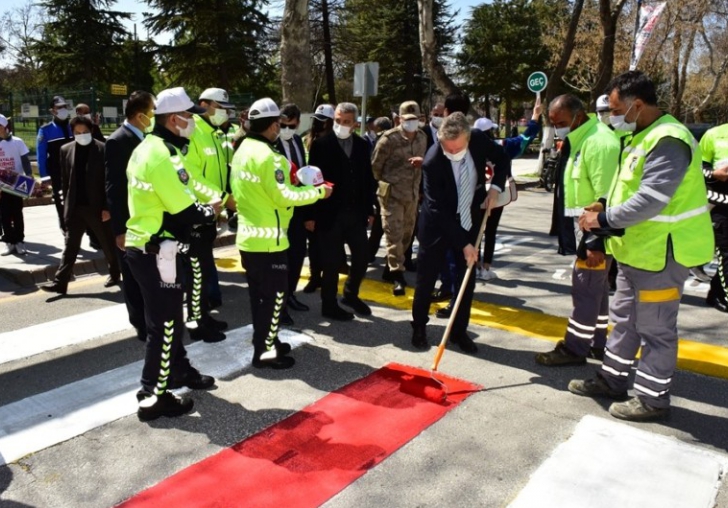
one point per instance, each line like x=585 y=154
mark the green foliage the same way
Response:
x=82 y=42
x=387 y=31
x=502 y=46
x=221 y=43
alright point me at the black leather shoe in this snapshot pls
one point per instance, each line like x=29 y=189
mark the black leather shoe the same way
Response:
x=193 y=380
x=445 y=312
x=419 y=337
x=55 y=287
x=715 y=302
x=312 y=285
x=283 y=348
x=442 y=295
x=296 y=305
x=336 y=313
x=215 y=324
x=357 y=304
x=167 y=404
x=279 y=363
x=205 y=334
x=398 y=289
x=465 y=343
x=110 y=282
x=286 y=319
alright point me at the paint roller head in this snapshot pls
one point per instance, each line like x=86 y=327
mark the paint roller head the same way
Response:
x=424 y=387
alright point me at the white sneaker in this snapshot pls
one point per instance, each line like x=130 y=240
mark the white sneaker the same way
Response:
x=20 y=249
x=9 y=249
x=487 y=275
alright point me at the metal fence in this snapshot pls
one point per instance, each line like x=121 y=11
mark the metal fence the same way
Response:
x=29 y=111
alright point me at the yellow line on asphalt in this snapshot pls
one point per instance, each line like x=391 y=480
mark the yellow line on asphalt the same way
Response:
x=693 y=356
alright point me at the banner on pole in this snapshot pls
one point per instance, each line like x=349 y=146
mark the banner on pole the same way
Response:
x=649 y=15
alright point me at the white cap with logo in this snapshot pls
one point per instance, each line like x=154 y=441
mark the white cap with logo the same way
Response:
x=175 y=100
x=324 y=111
x=603 y=103
x=264 y=108
x=218 y=95
x=3 y=120
x=310 y=175
x=484 y=124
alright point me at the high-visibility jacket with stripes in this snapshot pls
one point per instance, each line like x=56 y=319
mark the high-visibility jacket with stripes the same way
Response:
x=592 y=164
x=264 y=195
x=207 y=158
x=685 y=220
x=158 y=183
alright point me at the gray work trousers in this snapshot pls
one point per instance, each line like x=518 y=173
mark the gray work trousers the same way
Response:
x=644 y=312
x=589 y=317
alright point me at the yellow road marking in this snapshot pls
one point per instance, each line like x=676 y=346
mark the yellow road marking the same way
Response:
x=693 y=356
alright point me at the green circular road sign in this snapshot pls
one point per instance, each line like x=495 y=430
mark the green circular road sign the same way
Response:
x=537 y=82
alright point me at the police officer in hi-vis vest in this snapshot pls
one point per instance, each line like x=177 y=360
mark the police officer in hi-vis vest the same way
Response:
x=163 y=210
x=265 y=199
x=659 y=197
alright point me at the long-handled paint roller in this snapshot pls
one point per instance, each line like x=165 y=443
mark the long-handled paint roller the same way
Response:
x=428 y=386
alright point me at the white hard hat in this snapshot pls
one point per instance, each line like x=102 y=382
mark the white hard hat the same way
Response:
x=264 y=108
x=175 y=100
x=310 y=175
x=603 y=103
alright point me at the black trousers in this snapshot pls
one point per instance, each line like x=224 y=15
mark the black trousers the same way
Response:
x=719 y=283
x=376 y=234
x=267 y=274
x=132 y=294
x=57 y=188
x=11 y=211
x=78 y=220
x=198 y=262
x=314 y=255
x=348 y=229
x=165 y=355
x=297 y=236
x=429 y=263
x=491 y=229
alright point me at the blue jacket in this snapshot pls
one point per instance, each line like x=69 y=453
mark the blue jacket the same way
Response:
x=515 y=147
x=51 y=137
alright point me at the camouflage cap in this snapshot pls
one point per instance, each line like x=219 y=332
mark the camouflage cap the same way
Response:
x=409 y=110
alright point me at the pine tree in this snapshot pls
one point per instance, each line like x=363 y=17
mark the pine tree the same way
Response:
x=81 y=42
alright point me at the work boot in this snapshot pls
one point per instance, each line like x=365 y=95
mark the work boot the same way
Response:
x=717 y=303
x=336 y=313
x=55 y=287
x=168 y=404
x=193 y=380
x=595 y=387
x=560 y=356
x=445 y=312
x=357 y=304
x=419 y=337
x=205 y=334
x=464 y=342
x=635 y=410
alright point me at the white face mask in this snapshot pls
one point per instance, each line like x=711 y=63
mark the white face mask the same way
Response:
x=187 y=131
x=342 y=131
x=620 y=123
x=436 y=122
x=219 y=118
x=562 y=132
x=410 y=125
x=83 y=139
x=456 y=157
x=287 y=133
x=87 y=115
x=62 y=114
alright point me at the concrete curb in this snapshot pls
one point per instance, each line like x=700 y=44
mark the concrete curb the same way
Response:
x=526 y=184
x=42 y=274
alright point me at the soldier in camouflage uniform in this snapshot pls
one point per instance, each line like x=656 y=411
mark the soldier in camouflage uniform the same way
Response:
x=397 y=163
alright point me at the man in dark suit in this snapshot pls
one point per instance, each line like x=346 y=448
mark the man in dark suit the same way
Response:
x=344 y=160
x=290 y=144
x=451 y=215
x=84 y=203
x=119 y=147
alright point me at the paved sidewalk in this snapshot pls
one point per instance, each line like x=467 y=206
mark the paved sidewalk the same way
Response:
x=44 y=240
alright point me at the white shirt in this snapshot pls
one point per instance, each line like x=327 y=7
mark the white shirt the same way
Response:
x=10 y=153
x=470 y=167
x=287 y=147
